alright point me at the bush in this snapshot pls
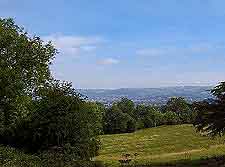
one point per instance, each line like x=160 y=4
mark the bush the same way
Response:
x=60 y=119
x=10 y=157
x=140 y=124
x=59 y=159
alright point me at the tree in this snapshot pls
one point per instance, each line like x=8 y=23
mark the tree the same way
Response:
x=210 y=116
x=61 y=119
x=148 y=115
x=24 y=66
x=180 y=106
x=115 y=121
x=171 y=118
x=126 y=106
x=38 y=113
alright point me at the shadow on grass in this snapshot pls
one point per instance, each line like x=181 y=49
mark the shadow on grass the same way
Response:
x=218 y=161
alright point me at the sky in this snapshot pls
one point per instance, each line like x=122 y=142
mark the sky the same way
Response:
x=128 y=43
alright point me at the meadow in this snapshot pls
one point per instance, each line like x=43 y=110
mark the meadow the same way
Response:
x=175 y=144
x=162 y=144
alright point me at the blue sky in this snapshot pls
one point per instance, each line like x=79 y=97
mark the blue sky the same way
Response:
x=129 y=43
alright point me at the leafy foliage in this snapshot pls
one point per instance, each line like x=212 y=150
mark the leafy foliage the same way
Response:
x=148 y=115
x=24 y=66
x=180 y=106
x=38 y=113
x=123 y=115
x=115 y=121
x=60 y=119
x=10 y=157
x=171 y=118
x=126 y=106
x=211 y=116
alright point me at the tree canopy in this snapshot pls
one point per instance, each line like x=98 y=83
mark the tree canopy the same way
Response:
x=24 y=66
x=38 y=112
x=211 y=116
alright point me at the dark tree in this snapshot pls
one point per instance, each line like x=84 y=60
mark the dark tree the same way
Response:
x=60 y=119
x=149 y=116
x=171 y=118
x=180 y=106
x=116 y=121
x=126 y=106
x=211 y=116
x=38 y=113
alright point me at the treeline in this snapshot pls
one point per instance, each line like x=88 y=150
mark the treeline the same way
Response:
x=38 y=113
x=124 y=117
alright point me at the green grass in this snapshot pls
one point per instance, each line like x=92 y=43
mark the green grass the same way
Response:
x=160 y=144
x=165 y=144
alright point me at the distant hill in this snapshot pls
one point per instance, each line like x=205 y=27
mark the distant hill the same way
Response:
x=156 y=96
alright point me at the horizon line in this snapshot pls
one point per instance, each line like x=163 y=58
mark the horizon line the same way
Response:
x=146 y=87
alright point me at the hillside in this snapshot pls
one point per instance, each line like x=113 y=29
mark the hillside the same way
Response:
x=148 y=95
x=160 y=144
x=165 y=144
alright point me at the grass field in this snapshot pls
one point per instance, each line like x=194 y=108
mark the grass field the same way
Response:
x=160 y=144
x=166 y=144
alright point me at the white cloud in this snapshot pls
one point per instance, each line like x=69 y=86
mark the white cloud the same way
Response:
x=202 y=47
x=175 y=50
x=89 y=48
x=74 y=45
x=151 y=52
x=108 y=61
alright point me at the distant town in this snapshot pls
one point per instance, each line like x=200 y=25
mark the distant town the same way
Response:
x=153 y=96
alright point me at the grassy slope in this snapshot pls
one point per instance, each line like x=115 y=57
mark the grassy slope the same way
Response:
x=160 y=144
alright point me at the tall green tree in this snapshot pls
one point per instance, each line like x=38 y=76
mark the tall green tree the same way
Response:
x=171 y=118
x=116 y=121
x=210 y=117
x=126 y=106
x=149 y=116
x=181 y=107
x=24 y=67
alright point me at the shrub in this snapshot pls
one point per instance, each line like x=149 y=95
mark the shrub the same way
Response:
x=60 y=119
x=140 y=124
x=10 y=157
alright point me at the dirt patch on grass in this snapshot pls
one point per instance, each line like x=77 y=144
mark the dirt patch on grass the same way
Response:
x=159 y=156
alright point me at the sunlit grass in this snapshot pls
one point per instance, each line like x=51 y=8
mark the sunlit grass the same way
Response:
x=160 y=144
